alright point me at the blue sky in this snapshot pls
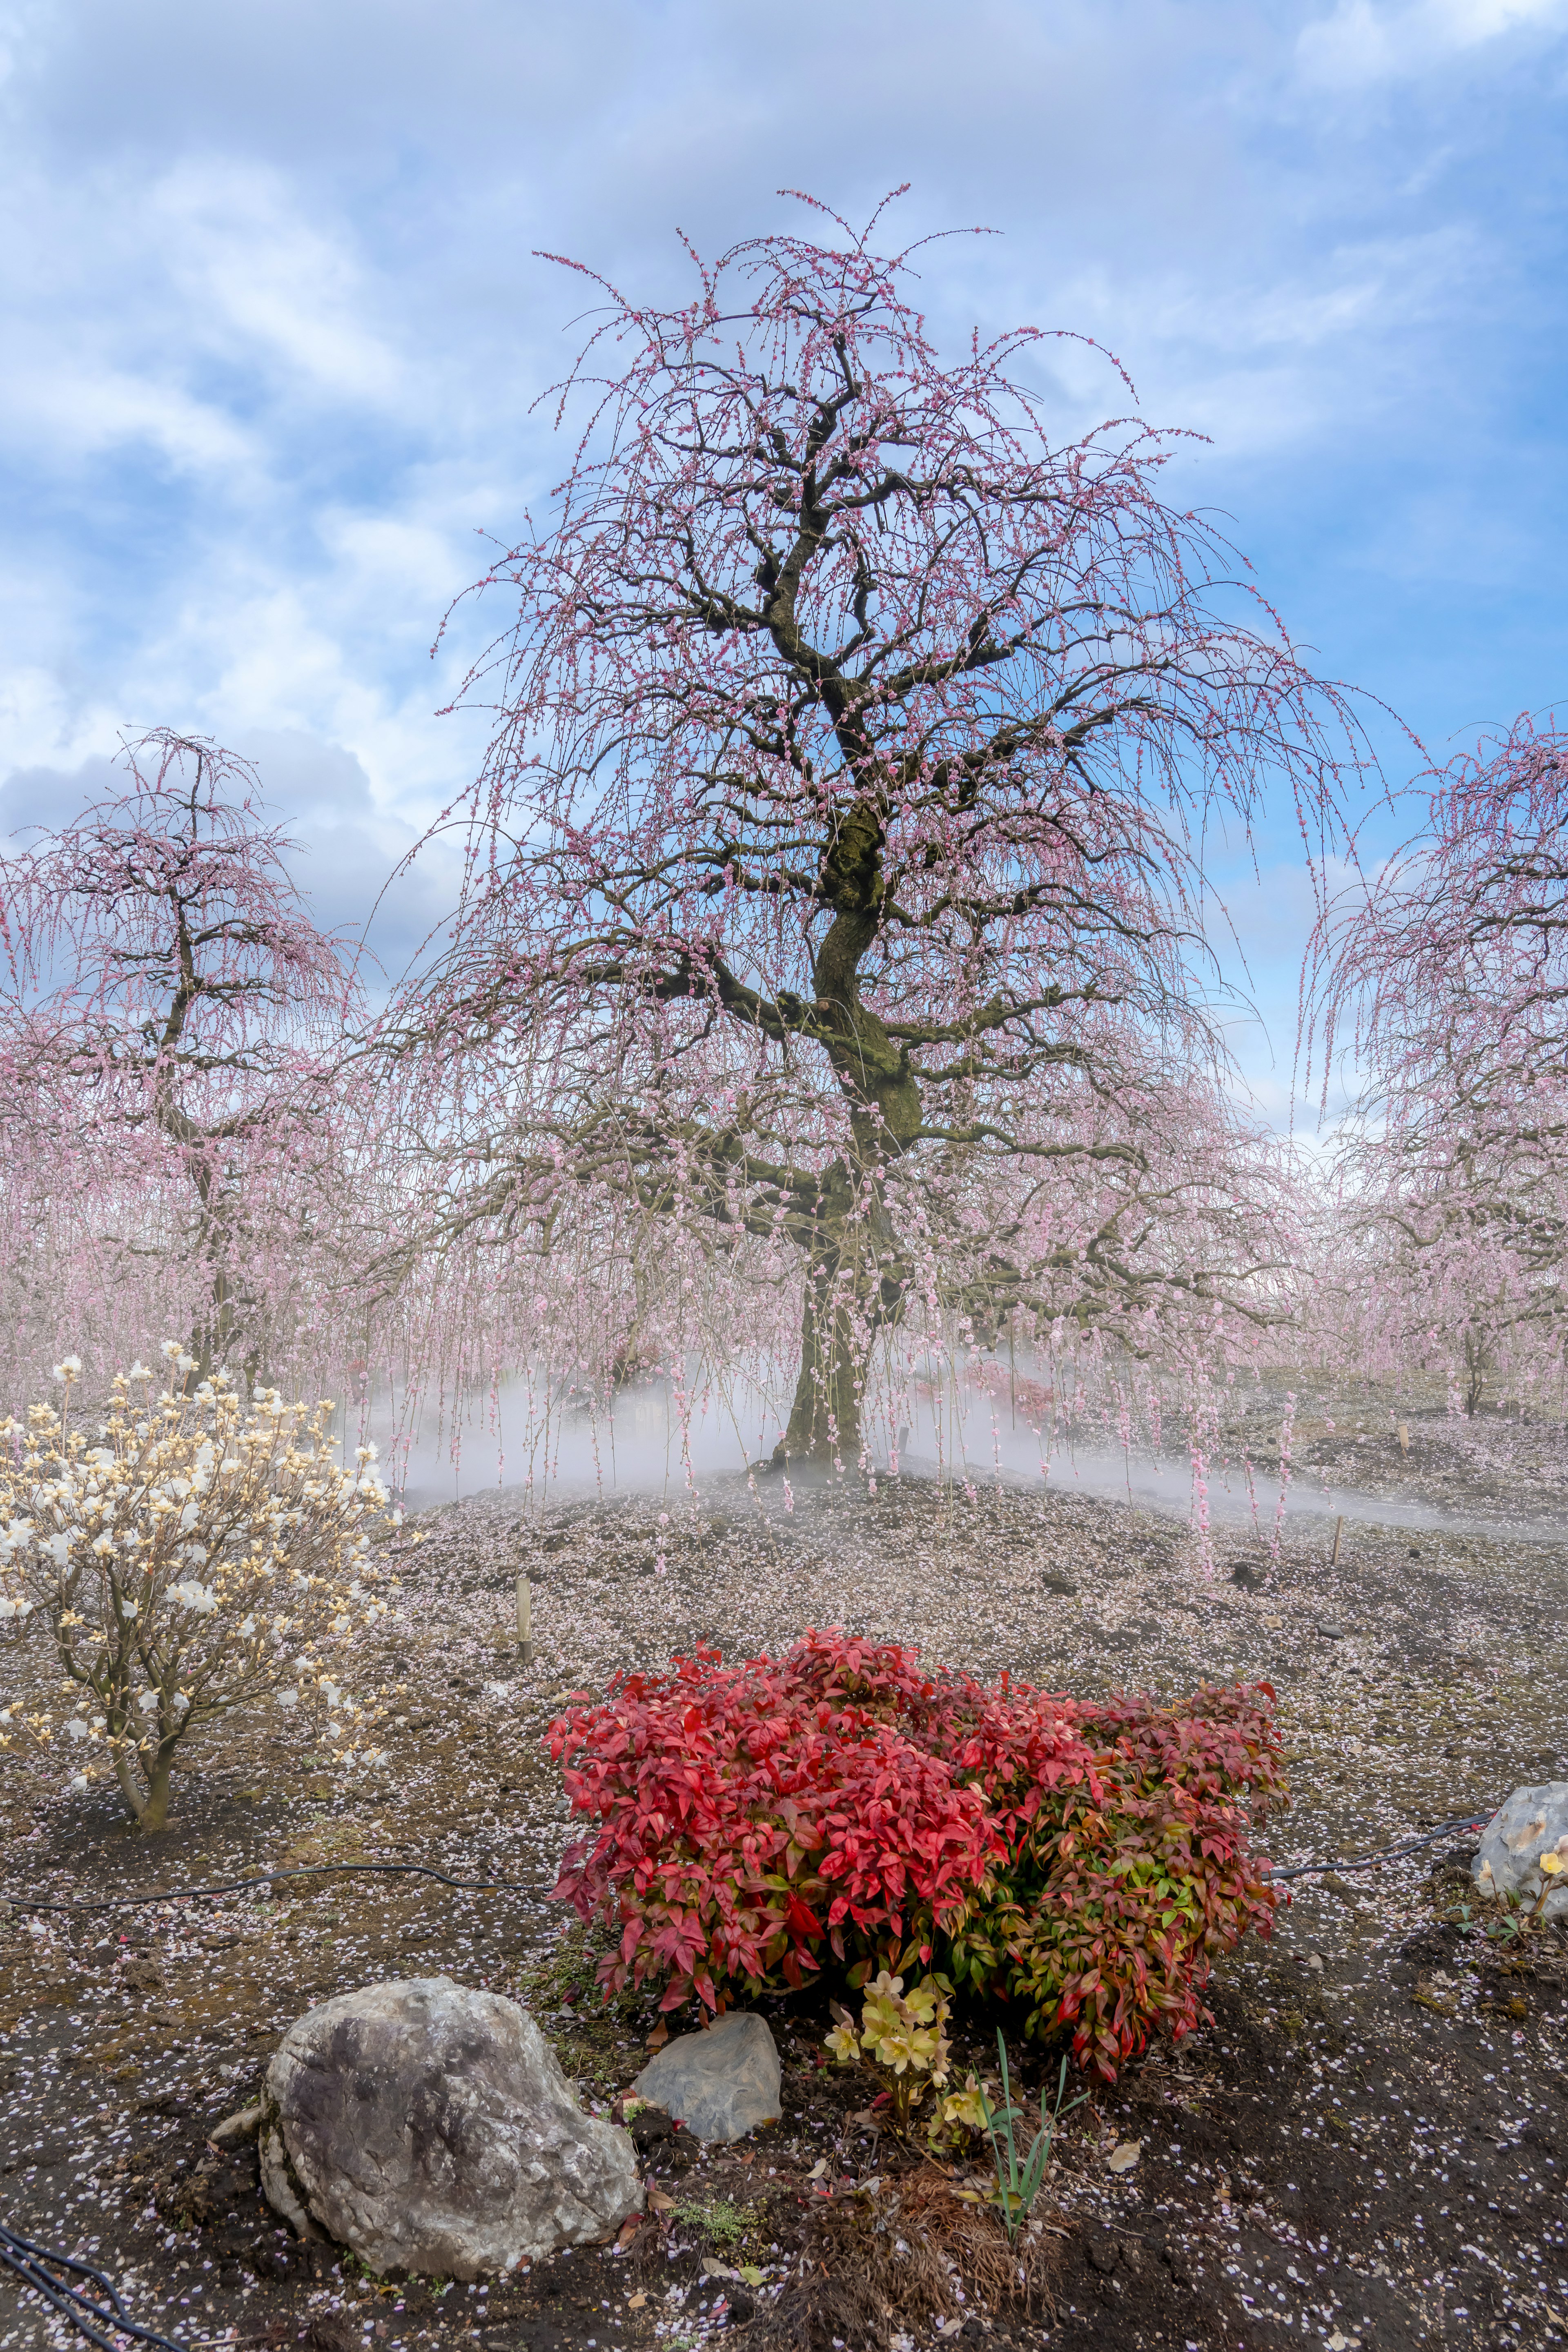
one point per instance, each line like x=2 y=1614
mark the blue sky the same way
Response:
x=272 y=326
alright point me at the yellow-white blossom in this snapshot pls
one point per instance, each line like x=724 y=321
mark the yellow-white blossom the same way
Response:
x=148 y=1544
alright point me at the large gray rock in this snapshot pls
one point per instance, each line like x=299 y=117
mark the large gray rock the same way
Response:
x=430 y=2130
x=721 y=2084
x=1534 y=1822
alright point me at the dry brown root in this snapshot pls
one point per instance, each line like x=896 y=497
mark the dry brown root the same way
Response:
x=972 y=2236
x=873 y=2269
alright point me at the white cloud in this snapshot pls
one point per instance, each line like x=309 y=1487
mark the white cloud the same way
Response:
x=71 y=402
x=1360 y=43
x=270 y=287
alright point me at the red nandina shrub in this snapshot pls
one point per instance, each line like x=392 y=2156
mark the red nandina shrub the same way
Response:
x=750 y=1815
x=1088 y=1860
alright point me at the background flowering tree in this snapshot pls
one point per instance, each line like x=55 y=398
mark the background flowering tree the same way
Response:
x=167 y=1045
x=1450 y=978
x=834 y=898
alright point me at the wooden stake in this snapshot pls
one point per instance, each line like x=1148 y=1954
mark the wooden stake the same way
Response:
x=1339 y=1531
x=1404 y=1437
x=525 y=1619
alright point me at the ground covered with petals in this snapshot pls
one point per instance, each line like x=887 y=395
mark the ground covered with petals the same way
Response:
x=1369 y=2145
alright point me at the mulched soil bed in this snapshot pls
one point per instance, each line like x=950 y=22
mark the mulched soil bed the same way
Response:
x=1370 y=2145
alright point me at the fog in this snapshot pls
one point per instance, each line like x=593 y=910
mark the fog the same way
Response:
x=506 y=1441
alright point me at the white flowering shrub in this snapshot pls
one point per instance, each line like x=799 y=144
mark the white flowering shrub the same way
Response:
x=184 y=1557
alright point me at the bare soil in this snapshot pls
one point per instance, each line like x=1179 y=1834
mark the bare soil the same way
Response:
x=1368 y=2147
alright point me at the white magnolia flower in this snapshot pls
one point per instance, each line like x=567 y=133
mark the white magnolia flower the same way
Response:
x=199 y=1599
x=140 y=1372
x=68 y=1367
x=77 y=1729
x=103 y=1545
x=148 y=1701
x=340 y=1624
x=77 y=1783
x=9 y=1609
x=57 y=1547
x=247 y=1625
x=188 y=1518
x=288 y=1698
x=170 y=1348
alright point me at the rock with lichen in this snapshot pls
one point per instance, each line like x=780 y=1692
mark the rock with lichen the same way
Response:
x=1525 y=1847
x=429 y=2129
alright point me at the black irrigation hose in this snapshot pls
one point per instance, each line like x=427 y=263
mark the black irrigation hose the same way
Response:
x=520 y=1886
x=268 y=1877
x=1388 y=1853
x=38 y=2266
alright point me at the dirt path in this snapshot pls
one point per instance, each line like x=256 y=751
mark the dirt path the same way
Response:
x=1371 y=2143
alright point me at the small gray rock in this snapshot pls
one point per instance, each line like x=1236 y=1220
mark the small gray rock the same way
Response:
x=721 y=2084
x=243 y=2125
x=1331 y=1629
x=430 y=2130
x=1533 y=1822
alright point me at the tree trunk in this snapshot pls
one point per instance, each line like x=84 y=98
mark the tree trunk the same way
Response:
x=155 y=1812
x=853 y=1288
x=853 y=1285
x=825 y=1419
x=1476 y=1366
x=130 y=1787
x=149 y=1810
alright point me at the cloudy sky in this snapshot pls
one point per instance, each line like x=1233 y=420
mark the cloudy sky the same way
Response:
x=272 y=326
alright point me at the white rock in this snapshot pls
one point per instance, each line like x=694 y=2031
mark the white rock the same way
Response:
x=430 y=2130
x=1533 y=1822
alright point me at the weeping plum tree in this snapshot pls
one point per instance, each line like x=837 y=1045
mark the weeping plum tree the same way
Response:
x=835 y=870
x=1449 y=976
x=168 y=1038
